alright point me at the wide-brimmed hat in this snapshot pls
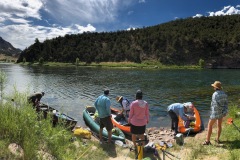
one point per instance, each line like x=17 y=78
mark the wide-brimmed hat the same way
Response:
x=118 y=98
x=217 y=84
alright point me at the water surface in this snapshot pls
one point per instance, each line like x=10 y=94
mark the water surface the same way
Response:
x=70 y=89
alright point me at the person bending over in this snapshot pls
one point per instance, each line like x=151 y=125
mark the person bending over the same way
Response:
x=179 y=109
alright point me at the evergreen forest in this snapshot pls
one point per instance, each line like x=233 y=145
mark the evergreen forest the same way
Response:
x=214 y=40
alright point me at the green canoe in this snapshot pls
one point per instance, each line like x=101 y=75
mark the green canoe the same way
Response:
x=88 y=116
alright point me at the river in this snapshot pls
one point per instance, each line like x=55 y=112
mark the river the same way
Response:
x=70 y=89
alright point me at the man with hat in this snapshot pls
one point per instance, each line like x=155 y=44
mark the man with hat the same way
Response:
x=103 y=105
x=125 y=104
x=219 y=109
x=179 y=109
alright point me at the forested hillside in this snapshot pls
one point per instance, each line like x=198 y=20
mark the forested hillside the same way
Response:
x=216 y=40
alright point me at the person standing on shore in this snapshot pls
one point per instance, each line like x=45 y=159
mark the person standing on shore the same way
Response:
x=138 y=117
x=103 y=105
x=219 y=109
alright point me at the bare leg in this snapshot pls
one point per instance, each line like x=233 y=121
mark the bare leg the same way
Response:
x=134 y=140
x=219 y=124
x=100 y=134
x=109 y=136
x=142 y=137
x=210 y=126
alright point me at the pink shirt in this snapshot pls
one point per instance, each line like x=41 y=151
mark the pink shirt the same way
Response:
x=139 y=113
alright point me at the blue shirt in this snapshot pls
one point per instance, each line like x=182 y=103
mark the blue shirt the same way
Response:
x=102 y=105
x=178 y=108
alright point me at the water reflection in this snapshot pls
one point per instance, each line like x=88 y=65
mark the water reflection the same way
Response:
x=70 y=89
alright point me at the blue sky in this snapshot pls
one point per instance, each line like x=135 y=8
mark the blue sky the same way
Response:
x=22 y=21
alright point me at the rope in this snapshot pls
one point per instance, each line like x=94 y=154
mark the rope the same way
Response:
x=85 y=152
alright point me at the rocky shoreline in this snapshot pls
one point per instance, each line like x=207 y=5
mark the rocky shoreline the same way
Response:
x=157 y=135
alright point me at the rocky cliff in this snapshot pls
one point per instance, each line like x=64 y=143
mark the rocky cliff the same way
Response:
x=7 y=49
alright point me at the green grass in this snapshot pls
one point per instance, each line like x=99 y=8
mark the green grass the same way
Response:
x=21 y=125
x=144 y=64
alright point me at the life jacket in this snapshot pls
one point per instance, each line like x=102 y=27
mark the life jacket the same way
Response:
x=127 y=106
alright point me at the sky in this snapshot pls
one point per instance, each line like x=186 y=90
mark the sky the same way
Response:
x=22 y=21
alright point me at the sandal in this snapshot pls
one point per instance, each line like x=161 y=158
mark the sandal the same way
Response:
x=206 y=143
x=217 y=141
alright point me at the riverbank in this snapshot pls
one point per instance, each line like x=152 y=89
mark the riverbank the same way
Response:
x=20 y=131
x=193 y=147
x=145 y=65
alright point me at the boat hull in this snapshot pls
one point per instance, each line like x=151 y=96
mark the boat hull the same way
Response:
x=88 y=114
x=57 y=117
x=195 y=127
x=121 y=123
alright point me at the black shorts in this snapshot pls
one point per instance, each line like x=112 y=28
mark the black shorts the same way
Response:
x=106 y=122
x=138 y=129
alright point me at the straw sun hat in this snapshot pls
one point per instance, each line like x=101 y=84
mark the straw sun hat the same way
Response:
x=118 y=98
x=217 y=84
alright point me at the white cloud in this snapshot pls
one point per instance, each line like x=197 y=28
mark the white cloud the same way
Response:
x=18 y=20
x=22 y=21
x=21 y=8
x=2 y=19
x=197 y=16
x=142 y=1
x=88 y=28
x=91 y=11
x=23 y=35
x=132 y=28
x=227 y=10
x=130 y=12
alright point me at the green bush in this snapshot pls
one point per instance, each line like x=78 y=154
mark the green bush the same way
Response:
x=201 y=63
